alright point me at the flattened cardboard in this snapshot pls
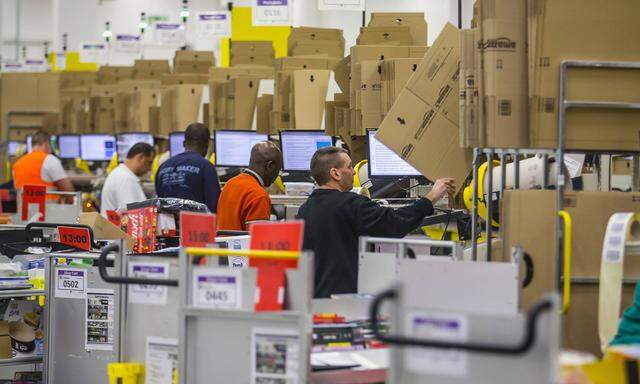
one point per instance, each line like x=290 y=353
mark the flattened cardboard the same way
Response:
x=103 y=229
x=264 y=105
x=370 y=93
x=310 y=92
x=342 y=72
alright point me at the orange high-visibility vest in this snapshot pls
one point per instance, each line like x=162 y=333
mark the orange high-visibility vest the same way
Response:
x=28 y=170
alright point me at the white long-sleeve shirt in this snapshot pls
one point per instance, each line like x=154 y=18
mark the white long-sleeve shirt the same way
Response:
x=120 y=188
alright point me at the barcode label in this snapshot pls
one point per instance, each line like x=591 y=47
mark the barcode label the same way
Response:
x=504 y=108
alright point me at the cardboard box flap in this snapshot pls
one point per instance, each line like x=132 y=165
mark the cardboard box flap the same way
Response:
x=381 y=35
x=103 y=229
x=414 y=20
x=310 y=93
x=342 y=71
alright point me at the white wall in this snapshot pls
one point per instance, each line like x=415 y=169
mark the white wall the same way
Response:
x=83 y=20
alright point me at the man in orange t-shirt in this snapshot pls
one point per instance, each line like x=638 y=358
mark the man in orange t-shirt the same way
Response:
x=244 y=199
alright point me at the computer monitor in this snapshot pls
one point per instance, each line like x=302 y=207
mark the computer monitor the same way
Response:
x=383 y=162
x=128 y=140
x=176 y=143
x=29 y=144
x=97 y=147
x=233 y=148
x=68 y=146
x=12 y=147
x=299 y=146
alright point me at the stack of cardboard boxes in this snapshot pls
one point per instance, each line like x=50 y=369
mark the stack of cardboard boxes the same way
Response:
x=193 y=62
x=233 y=95
x=306 y=41
x=252 y=53
x=386 y=56
x=518 y=87
x=300 y=91
x=422 y=125
x=150 y=69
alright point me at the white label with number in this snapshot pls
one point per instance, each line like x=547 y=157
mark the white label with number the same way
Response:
x=93 y=52
x=144 y=293
x=214 y=23
x=217 y=288
x=271 y=12
x=71 y=283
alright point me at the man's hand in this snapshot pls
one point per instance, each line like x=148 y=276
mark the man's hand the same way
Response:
x=440 y=188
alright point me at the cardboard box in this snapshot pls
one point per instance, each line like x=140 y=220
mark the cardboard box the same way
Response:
x=331 y=121
x=621 y=166
x=242 y=93
x=150 y=69
x=109 y=74
x=315 y=34
x=180 y=106
x=395 y=75
x=252 y=52
x=193 y=67
x=342 y=72
x=189 y=78
x=312 y=48
x=371 y=94
x=504 y=34
x=264 y=106
x=194 y=56
x=103 y=229
x=422 y=125
x=309 y=95
x=154 y=121
x=415 y=21
x=384 y=35
x=74 y=79
x=223 y=74
x=592 y=38
x=468 y=91
x=141 y=101
x=28 y=92
x=590 y=213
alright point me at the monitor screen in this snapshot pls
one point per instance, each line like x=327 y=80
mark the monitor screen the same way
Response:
x=128 y=140
x=385 y=162
x=233 y=148
x=68 y=146
x=176 y=143
x=97 y=147
x=12 y=148
x=29 y=144
x=298 y=148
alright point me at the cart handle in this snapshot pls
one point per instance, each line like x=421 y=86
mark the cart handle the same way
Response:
x=250 y=253
x=523 y=346
x=566 y=284
x=126 y=280
x=30 y=226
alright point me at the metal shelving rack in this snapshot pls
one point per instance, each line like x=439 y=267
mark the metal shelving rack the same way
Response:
x=558 y=153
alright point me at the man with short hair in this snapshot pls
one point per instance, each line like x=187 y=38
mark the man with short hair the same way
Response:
x=40 y=167
x=190 y=175
x=122 y=186
x=244 y=199
x=335 y=218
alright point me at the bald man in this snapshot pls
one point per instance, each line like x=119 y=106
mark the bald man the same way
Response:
x=244 y=199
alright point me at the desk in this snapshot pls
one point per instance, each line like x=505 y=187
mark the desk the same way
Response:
x=80 y=180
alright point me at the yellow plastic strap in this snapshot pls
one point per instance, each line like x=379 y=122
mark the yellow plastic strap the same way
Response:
x=356 y=175
x=125 y=373
x=250 y=253
x=566 y=287
x=620 y=229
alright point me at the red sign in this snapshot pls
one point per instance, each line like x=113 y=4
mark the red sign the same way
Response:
x=197 y=229
x=114 y=218
x=141 y=225
x=33 y=194
x=75 y=237
x=277 y=236
x=271 y=281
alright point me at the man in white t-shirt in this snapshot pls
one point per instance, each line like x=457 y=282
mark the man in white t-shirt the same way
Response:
x=40 y=167
x=122 y=186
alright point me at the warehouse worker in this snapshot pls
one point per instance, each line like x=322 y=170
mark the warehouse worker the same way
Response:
x=122 y=186
x=41 y=167
x=190 y=175
x=244 y=199
x=335 y=218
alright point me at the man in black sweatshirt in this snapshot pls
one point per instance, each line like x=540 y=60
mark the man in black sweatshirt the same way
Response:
x=335 y=218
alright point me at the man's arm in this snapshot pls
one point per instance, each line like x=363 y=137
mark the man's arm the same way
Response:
x=64 y=185
x=375 y=220
x=257 y=210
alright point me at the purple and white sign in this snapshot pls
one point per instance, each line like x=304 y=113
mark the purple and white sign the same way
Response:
x=217 y=288
x=93 y=52
x=145 y=293
x=170 y=34
x=127 y=44
x=214 y=23
x=271 y=12
x=71 y=283
x=437 y=327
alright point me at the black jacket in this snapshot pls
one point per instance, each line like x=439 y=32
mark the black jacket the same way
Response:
x=335 y=220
